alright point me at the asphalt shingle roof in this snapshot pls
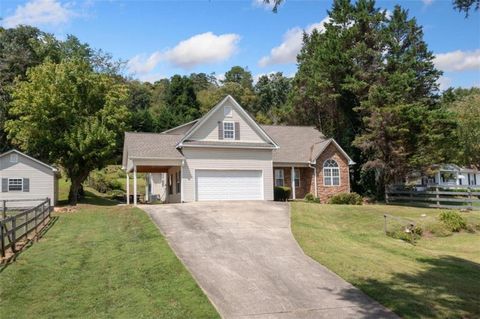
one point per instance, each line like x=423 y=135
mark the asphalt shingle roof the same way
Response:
x=152 y=145
x=297 y=143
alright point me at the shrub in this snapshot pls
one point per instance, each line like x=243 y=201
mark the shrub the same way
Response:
x=406 y=233
x=103 y=183
x=453 y=221
x=281 y=193
x=346 y=199
x=438 y=229
x=310 y=198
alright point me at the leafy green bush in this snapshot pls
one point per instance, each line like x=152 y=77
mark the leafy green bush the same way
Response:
x=103 y=183
x=310 y=198
x=437 y=229
x=406 y=233
x=453 y=220
x=281 y=193
x=346 y=199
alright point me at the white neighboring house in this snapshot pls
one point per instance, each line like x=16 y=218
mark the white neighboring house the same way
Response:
x=26 y=178
x=449 y=175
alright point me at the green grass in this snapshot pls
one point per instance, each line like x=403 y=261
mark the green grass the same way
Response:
x=102 y=261
x=436 y=278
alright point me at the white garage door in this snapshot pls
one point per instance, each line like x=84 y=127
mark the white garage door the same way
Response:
x=229 y=185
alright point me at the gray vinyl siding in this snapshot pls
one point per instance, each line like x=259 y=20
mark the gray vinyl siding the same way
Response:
x=226 y=159
x=42 y=182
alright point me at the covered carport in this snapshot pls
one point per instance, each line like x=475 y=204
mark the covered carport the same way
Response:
x=152 y=153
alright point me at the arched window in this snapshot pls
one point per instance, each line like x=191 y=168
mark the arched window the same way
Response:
x=331 y=173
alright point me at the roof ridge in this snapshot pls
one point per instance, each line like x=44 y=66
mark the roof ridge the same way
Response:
x=153 y=133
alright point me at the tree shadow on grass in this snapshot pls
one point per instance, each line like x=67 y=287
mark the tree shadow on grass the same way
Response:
x=91 y=198
x=449 y=287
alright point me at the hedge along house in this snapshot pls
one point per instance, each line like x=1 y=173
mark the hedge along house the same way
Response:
x=226 y=155
x=25 y=178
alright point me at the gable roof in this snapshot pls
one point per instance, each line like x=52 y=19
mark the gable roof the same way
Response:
x=150 y=145
x=268 y=140
x=29 y=157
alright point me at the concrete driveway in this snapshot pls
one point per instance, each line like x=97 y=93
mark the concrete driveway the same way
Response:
x=243 y=255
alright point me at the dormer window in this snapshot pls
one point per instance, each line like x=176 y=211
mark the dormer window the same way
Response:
x=228 y=130
x=227 y=111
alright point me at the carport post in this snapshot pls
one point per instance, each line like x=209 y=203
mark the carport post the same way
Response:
x=292 y=175
x=128 y=188
x=135 y=184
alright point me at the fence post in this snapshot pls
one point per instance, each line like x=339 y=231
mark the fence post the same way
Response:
x=26 y=224
x=2 y=240
x=4 y=209
x=437 y=196
x=385 y=224
x=470 y=197
x=14 y=234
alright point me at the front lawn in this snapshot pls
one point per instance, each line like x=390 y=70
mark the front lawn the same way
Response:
x=102 y=261
x=436 y=278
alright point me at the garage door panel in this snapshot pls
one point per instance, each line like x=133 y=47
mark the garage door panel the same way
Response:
x=229 y=184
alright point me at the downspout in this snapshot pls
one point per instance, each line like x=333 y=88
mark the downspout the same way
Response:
x=315 y=176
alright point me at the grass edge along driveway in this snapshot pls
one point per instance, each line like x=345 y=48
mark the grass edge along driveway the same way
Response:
x=101 y=262
x=437 y=278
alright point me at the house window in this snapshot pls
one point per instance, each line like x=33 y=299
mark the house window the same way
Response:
x=297 y=177
x=228 y=130
x=331 y=173
x=13 y=158
x=279 y=177
x=227 y=111
x=177 y=181
x=15 y=184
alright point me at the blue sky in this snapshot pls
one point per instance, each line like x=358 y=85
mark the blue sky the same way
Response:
x=162 y=38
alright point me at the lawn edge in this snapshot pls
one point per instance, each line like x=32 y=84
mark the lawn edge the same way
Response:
x=328 y=269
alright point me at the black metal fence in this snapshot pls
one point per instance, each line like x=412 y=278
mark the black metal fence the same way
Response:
x=16 y=224
x=453 y=197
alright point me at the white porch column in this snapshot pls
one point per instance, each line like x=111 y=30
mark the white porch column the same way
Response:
x=135 y=184
x=293 y=182
x=147 y=182
x=127 y=186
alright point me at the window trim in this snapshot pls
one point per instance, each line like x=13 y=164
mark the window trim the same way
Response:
x=232 y=130
x=295 y=177
x=282 y=178
x=15 y=190
x=331 y=169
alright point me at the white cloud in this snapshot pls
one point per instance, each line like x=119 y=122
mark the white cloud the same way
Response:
x=444 y=83
x=151 y=77
x=458 y=61
x=427 y=2
x=200 y=49
x=203 y=48
x=40 y=12
x=141 y=64
x=287 y=51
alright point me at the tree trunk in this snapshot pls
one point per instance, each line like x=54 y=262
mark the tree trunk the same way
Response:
x=73 y=193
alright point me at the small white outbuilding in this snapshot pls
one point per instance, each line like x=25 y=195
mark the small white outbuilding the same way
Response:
x=26 y=178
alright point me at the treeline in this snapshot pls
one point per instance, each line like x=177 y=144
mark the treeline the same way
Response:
x=170 y=102
x=368 y=80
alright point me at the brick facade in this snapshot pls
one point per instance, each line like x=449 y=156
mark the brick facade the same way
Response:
x=307 y=184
